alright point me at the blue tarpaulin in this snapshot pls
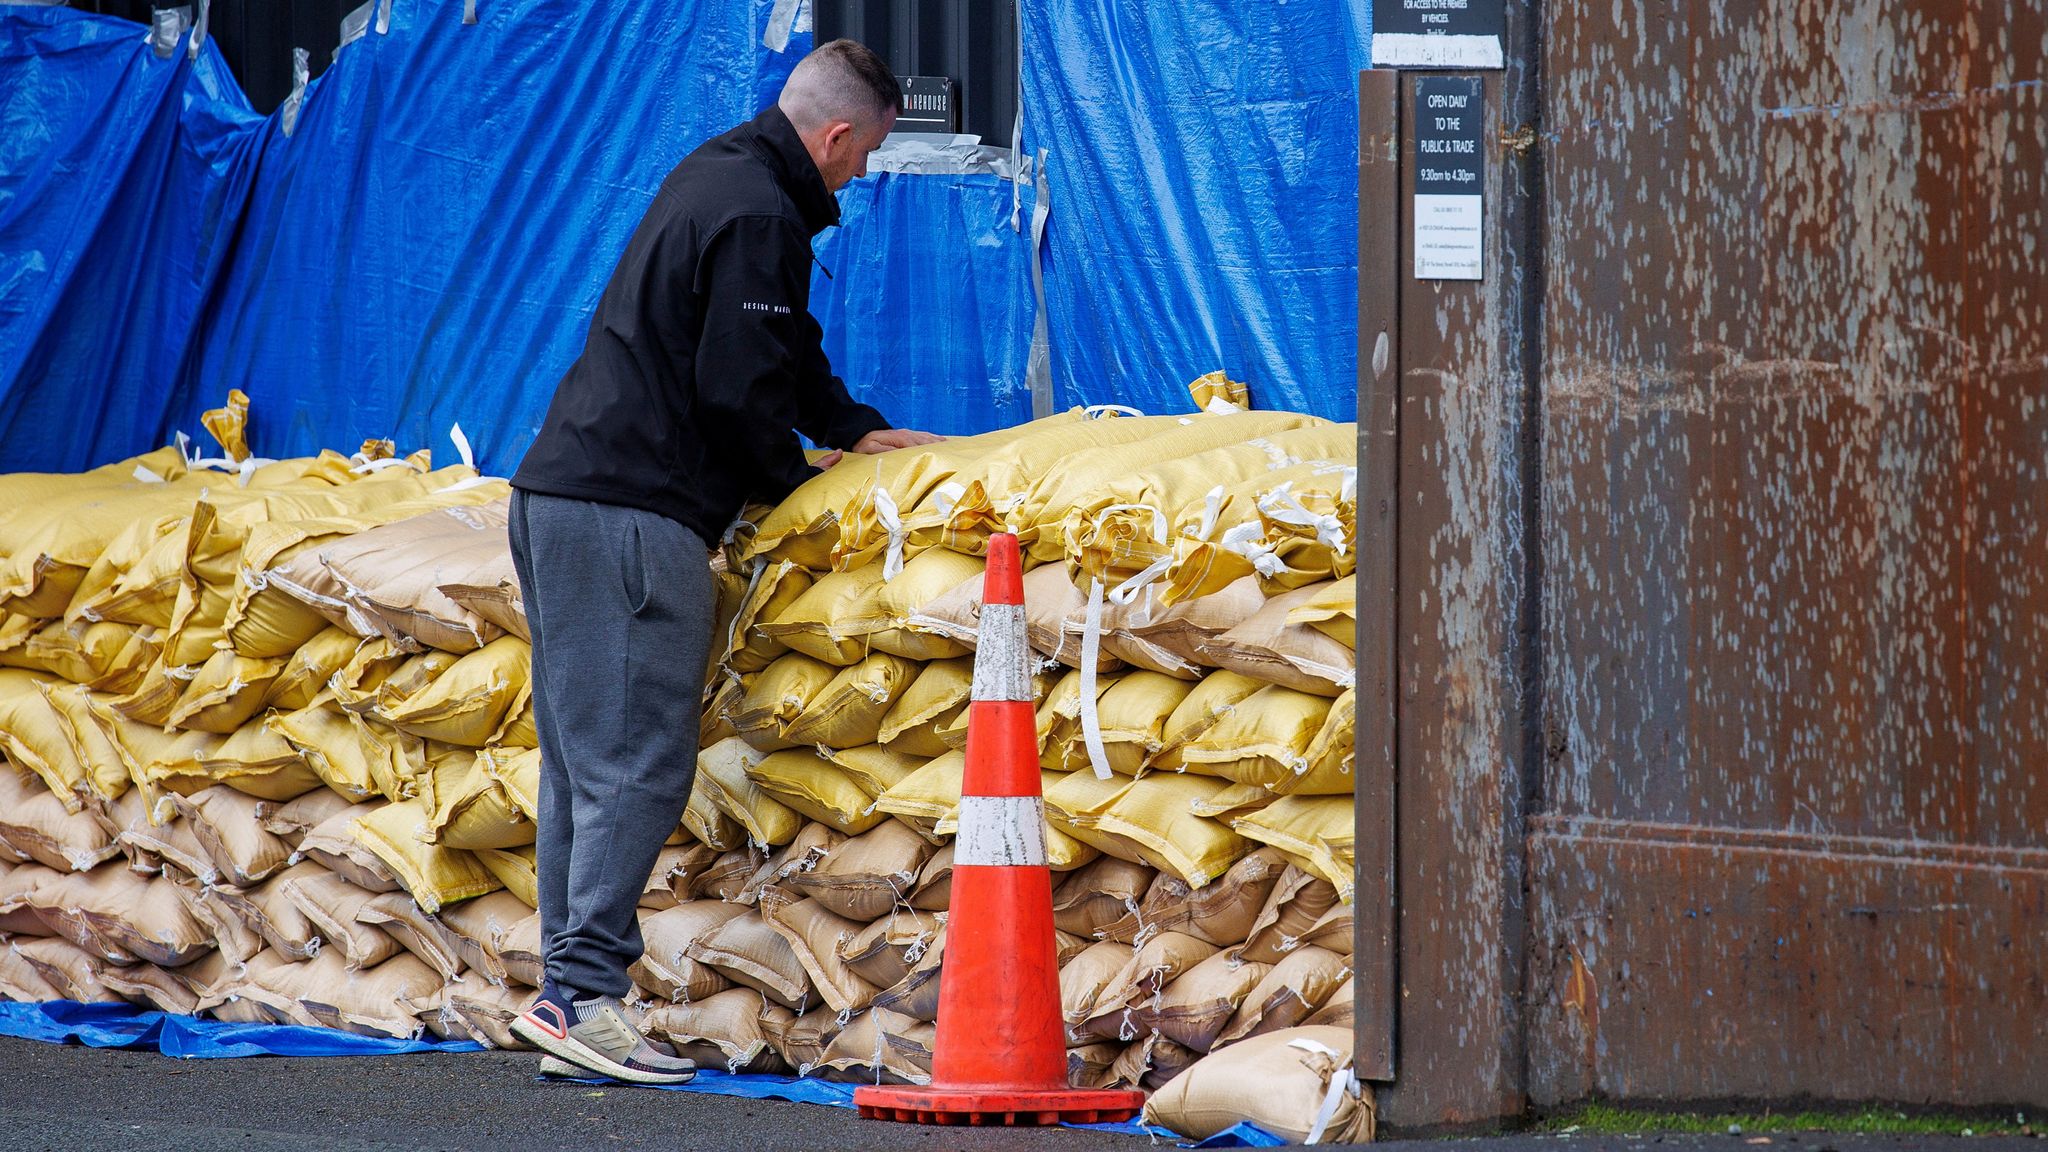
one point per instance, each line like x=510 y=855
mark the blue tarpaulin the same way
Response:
x=427 y=244
x=191 y=1038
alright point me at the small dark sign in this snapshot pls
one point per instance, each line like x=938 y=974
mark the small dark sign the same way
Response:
x=928 y=105
x=1438 y=33
x=1450 y=171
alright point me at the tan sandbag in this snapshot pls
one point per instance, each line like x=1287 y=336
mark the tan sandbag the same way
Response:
x=880 y=1047
x=22 y=981
x=1264 y=740
x=70 y=970
x=255 y=761
x=1334 y=930
x=811 y=846
x=172 y=843
x=144 y=918
x=489 y=803
x=917 y=994
x=514 y=868
x=291 y=820
x=392 y=999
x=817 y=935
x=487 y=1010
x=664 y=969
x=934 y=890
x=1332 y=609
x=479 y=927
x=722 y=774
x=1222 y=912
x=18 y=883
x=1266 y=647
x=272 y=914
x=386 y=580
x=1151 y=1062
x=229 y=827
x=521 y=950
x=750 y=952
x=1098 y=894
x=723 y=1030
x=434 y=874
x=1297 y=902
x=234 y=936
x=1054 y=614
x=334 y=907
x=1336 y=1012
x=1289 y=994
x=466 y=703
x=1296 y=1084
x=1179 y=629
x=1317 y=830
x=814 y=624
x=847 y=712
x=1156 y=964
x=1092 y=1065
x=1196 y=1006
x=492 y=593
x=675 y=871
x=1085 y=978
x=726 y=876
x=333 y=845
x=60 y=902
x=35 y=824
x=802 y=1041
x=417 y=931
x=884 y=952
x=816 y=788
x=776 y=696
x=869 y=874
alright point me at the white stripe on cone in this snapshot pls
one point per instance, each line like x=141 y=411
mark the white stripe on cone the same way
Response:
x=1002 y=659
x=1000 y=830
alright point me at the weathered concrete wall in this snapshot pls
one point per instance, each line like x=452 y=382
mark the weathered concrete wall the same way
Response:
x=1792 y=833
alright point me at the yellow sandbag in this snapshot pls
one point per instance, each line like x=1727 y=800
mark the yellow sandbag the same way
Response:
x=817 y=788
x=875 y=769
x=1212 y=698
x=514 y=868
x=722 y=774
x=1263 y=741
x=941 y=688
x=229 y=425
x=33 y=736
x=776 y=696
x=710 y=827
x=1081 y=796
x=807 y=526
x=306 y=673
x=778 y=586
x=1131 y=715
x=847 y=712
x=1234 y=801
x=102 y=771
x=106 y=657
x=1154 y=813
x=1331 y=754
x=23 y=491
x=255 y=761
x=1315 y=830
x=474 y=808
x=135 y=579
x=434 y=875
x=1268 y=648
x=141 y=747
x=518 y=731
x=1059 y=722
x=517 y=771
x=928 y=800
x=53 y=543
x=815 y=623
x=1291 y=527
x=226 y=691
x=1124 y=525
x=326 y=737
x=467 y=703
x=155 y=695
x=380 y=678
x=1332 y=610
x=885 y=615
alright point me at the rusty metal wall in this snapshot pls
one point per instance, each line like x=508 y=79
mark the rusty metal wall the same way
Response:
x=1792 y=829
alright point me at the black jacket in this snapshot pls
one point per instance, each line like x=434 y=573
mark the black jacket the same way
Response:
x=703 y=354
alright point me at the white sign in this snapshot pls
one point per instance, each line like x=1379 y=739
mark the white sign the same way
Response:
x=1448 y=238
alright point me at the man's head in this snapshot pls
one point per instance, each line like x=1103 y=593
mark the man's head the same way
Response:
x=842 y=99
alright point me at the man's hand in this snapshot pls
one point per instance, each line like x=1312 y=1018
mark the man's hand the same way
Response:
x=828 y=460
x=890 y=439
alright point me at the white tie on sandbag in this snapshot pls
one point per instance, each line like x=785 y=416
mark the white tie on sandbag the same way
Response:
x=1091 y=653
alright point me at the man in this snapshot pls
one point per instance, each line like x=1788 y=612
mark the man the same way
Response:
x=700 y=362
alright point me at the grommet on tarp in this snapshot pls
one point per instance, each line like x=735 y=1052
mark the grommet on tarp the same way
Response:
x=166 y=25
x=198 y=32
x=302 y=68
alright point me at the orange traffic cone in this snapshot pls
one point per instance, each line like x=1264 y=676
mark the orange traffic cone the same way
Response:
x=1000 y=1056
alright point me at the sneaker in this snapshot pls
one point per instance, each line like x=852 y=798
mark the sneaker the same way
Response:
x=598 y=1038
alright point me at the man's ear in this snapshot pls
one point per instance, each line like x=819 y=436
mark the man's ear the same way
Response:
x=837 y=134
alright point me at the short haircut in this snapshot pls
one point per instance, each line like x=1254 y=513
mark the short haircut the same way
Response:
x=842 y=80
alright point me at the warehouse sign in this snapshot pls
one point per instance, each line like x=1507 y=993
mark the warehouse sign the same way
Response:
x=1437 y=33
x=928 y=105
x=1450 y=170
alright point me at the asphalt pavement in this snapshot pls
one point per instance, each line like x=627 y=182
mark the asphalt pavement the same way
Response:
x=61 y=1098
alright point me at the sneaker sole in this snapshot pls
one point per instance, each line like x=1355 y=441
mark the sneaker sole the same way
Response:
x=589 y=1060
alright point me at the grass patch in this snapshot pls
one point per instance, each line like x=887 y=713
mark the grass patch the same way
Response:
x=1605 y=1119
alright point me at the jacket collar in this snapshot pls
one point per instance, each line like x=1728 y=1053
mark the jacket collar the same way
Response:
x=775 y=140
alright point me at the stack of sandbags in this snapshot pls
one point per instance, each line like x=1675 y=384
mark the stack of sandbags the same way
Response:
x=339 y=798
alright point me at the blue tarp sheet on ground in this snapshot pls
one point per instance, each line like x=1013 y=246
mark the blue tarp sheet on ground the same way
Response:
x=191 y=1038
x=427 y=245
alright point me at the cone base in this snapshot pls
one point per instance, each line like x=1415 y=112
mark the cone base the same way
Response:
x=994 y=1106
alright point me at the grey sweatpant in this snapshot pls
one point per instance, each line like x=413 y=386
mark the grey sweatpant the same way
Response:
x=620 y=603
